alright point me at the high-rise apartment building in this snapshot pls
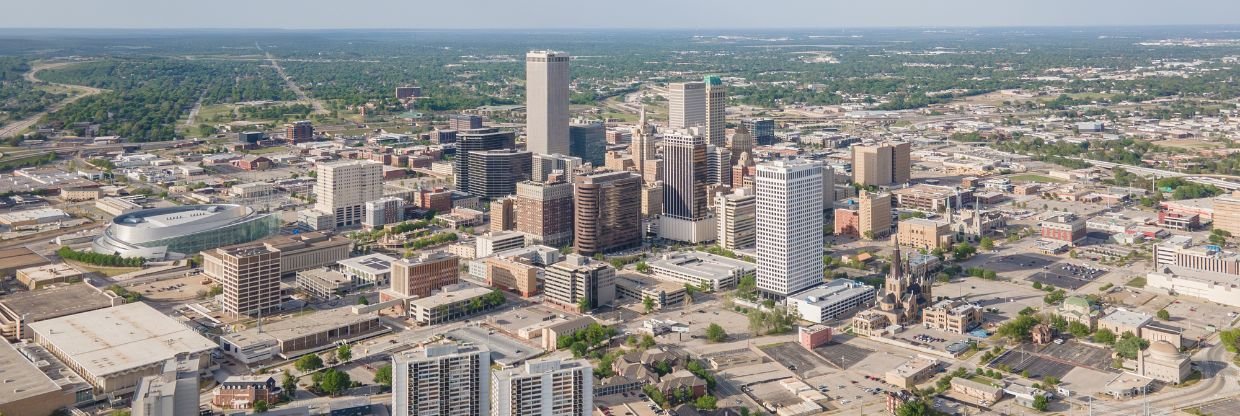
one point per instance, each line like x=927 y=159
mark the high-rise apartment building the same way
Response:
x=342 y=189
x=761 y=129
x=588 y=141
x=421 y=275
x=874 y=215
x=477 y=140
x=503 y=215
x=685 y=176
x=718 y=165
x=881 y=164
x=545 y=212
x=578 y=279
x=249 y=275
x=544 y=388
x=546 y=102
x=545 y=165
x=686 y=105
x=789 y=226
x=299 y=131
x=442 y=380
x=716 y=104
x=495 y=173
x=462 y=122
x=607 y=212
x=383 y=211
x=736 y=214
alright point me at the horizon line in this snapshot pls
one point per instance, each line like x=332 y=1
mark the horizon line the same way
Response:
x=613 y=28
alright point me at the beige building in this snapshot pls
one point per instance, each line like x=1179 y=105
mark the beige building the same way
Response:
x=1163 y=361
x=686 y=104
x=955 y=316
x=982 y=392
x=544 y=212
x=1227 y=213
x=736 y=214
x=503 y=215
x=881 y=164
x=514 y=274
x=874 y=215
x=925 y=234
x=912 y=372
x=250 y=276
x=652 y=199
x=715 y=106
x=343 y=188
x=420 y=276
x=546 y=102
x=579 y=279
x=38 y=277
x=80 y=194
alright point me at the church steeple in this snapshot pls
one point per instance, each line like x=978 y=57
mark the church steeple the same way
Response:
x=897 y=261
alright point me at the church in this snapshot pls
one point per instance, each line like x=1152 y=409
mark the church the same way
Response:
x=906 y=293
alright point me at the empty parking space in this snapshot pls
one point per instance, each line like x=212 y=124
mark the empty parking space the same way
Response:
x=842 y=355
x=1223 y=407
x=792 y=356
x=1066 y=275
x=1036 y=365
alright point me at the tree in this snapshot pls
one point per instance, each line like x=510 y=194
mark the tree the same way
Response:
x=1164 y=315
x=1104 y=336
x=308 y=362
x=648 y=303
x=260 y=406
x=963 y=251
x=288 y=385
x=915 y=407
x=583 y=305
x=1130 y=345
x=344 y=352
x=1037 y=285
x=715 y=333
x=642 y=267
x=334 y=382
x=1050 y=380
x=361 y=300
x=986 y=244
x=1040 y=403
x=647 y=342
x=383 y=376
x=706 y=402
x=1078 y=329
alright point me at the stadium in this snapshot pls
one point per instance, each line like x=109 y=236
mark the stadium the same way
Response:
x=176 y=232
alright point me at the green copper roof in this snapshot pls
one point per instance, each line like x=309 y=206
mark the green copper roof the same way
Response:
x=712 y=80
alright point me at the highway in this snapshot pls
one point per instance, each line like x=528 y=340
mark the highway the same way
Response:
x=17 y=127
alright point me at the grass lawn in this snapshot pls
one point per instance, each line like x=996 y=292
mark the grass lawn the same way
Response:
x=1030 y=177
x=106 y=271
x=1137 y=282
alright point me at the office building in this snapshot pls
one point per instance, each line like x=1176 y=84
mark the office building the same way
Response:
x=249 y=275
x=491 y=243
x=495 y=173
x=686 y=105
x=789 y=226
x=442 y=380
x=716 y=103
x=707 y=272
x=932 y=198
x=642 y=146
x=240 y=392
x=369 y=270
x=544 y=212
x=832 y=301
x=30 y=389
x=638 y=287
x=426 y=273
x=652 y=200
x=743 y=172
x=874 y=215
x=172 y=393
x=685 y=216
x=580 y=280
x=297 y=335
x=513 y=274
x=383 y=211
x=452 y=303
x=740 y=142
x=881 y=164
x=1063 y=227
x=952 y=315
x=736 y=214
x=322 y=284
x=298 y=132
x=718 y=166
x=546 y=165
x=924 y=234
x=503 y=214
x=462 y=122
x=607 y=212
x=761 y=129
x=546 y=102
x=912 y=372
x=408 y=92
x=588 y=141
x=541 y=388
x=303 y=251
x=477 y=140
x=1226 y=214
x=343 y=188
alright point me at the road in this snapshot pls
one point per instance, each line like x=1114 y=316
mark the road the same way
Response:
x=16 y=128
x=301 y=95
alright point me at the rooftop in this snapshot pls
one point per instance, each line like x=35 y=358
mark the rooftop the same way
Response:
x=120 y=338
x=50 y=272
x=914 y=366
x=54 y=302
x=375 y=263
x=22 y=379
x=449 y=295
x=701 y=265
x=298 y=326
x=1125 y=318
x=833 y=292
x=19 y=258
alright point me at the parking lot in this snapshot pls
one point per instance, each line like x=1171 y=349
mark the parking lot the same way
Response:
x=793 y=357
x=920 y=336
x=842 y=355
x=1229 y=406
x=1193 y=315
x=1007 y=298
x=1055 y=359
x=1066 y=275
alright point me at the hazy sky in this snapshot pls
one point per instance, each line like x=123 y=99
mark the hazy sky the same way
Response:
x=534 y=14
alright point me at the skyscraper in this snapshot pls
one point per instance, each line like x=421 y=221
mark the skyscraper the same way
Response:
x=473 y=141
x=299 y=131
x=686 y=105
x=737 y=215
x=542 y=388
x=421 y=275
x=881 y=164
x=342 y=189
x=546 y=102
x=249 y=275
x=685 y=215
x=716 y=104
x=718 y=165
x=874 y=215
x=607 y=212
x=442 y=380
x=789 y=226
x=545 y=212
x=494 y=173
x=544 y=165
x=588 y=141
x=461 y=122
x=741 y=142
x=503 y=214
x=642 y=148
x=762 y=130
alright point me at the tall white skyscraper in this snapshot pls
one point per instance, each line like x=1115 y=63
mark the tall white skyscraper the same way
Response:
x=789 y=226
x=686 y=105
x=544 y=388
x=716 y=102
x=546 y=102
x=442 y=380
x=342 y=189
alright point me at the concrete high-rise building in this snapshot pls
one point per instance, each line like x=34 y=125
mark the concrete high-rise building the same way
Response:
x=789 y=226
x=544 y=388
x=741 y=142
x=545 y=165
x=495 y=173
x=249 y=275
x=1227 y=213
x=384 y=211
x=442 y=380
x=685 y=214
x=736 y=214
x=652 y=199
x=716 y=104
x=419 y=276
x=578 y=279
x=828 y=186
x=686 y=105
x=462 y=122
x=642 y=146
x=718 y=166
x=874 y=215
x=299 y=131
x=546 y=102
x=761 y=129
x=545 y=212
x=588 y=141
x=342 y=189
x=172 y=393
x=476 y=140
x=607 y=212
x=881 y=164
x=503 y=214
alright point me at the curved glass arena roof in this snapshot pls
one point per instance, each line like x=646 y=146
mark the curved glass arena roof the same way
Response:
x=160 y=233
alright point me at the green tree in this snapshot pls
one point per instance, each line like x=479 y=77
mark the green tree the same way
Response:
x=1130 y=345
x=647 y=342
x=334 y=382
x=642 y=267
x=1104 y=336
x=1078 y=329
x=715 y=333
x=583 y=305
x=986 y=244
x=963 y=251
x=648 y=303
x=1164 y=315
x=706 y=402
x=288 y=385
x=1040 y=403
x=260 y=406
x=344 y=352
x=361 y=300
x=1050 y=380
x=308 y=362
x=916 y=407
x=383 y=376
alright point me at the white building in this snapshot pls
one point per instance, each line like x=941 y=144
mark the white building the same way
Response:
x=544 y=388
x=701 y=269
x=491 y=243
x=546 y=102
x=735 y=214
x=789 y=226
x=443 y=379
x=832 y=300
x=371 y=269
x=686 y=104
x=343 y=188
